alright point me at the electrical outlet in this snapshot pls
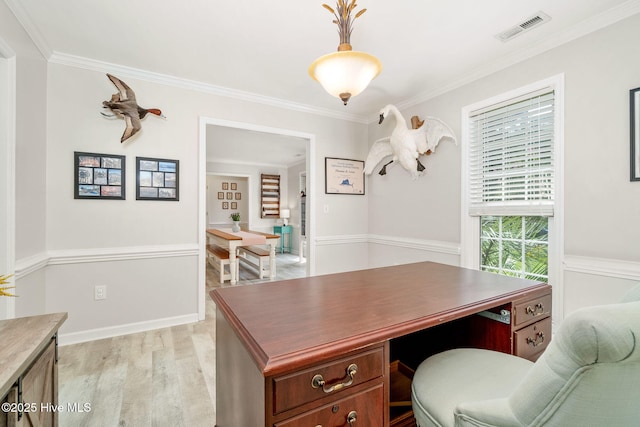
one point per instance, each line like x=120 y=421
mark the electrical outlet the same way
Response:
x=100 y=292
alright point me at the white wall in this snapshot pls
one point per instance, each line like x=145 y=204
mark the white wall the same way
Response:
x=601 y=206
x=218 y=216
x=146 y=253
x=254 y=219
x=30 y=120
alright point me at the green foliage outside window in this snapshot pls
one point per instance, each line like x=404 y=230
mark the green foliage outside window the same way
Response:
x=515 y=246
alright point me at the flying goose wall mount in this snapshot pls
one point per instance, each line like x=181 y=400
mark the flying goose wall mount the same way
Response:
x=406 y=145
x=123 y=104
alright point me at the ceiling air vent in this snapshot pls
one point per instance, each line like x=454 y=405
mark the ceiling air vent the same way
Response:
x=528 y=24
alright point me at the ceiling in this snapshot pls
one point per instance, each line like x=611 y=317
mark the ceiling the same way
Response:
x=240 y=146
x=261 y=50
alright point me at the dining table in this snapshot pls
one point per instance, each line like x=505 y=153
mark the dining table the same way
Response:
x=232 y=240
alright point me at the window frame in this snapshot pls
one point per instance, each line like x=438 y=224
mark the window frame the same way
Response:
x=470 y=225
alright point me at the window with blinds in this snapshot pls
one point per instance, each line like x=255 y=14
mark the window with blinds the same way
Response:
x=511 y=157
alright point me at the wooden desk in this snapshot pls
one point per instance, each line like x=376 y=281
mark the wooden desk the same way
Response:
x=273 y=339
x=231 y=242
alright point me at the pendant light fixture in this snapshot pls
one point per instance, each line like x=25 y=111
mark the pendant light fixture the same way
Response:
x=345 y=73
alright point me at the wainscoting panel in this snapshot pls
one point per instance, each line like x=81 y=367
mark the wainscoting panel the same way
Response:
x=591 y=281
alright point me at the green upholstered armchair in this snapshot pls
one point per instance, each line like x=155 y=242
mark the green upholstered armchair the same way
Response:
x=588 y=376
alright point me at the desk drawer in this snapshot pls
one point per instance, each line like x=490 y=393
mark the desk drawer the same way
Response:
x=298 y=388
x=364 y=408
x=532 y=309
x=532 y=340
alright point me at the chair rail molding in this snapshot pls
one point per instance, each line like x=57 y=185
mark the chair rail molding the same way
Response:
x=602 y=267
x=28 y=265
x=450 y=248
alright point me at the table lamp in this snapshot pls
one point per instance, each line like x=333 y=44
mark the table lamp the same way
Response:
x=285 y=214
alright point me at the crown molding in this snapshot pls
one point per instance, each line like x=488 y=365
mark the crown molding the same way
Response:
x=583 y=28
x=32 y=31
x=167 y=80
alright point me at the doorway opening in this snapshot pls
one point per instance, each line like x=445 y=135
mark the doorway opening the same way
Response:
x=235 y=157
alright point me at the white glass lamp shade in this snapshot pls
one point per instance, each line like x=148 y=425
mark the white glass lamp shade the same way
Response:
x=285 y=214
x=345 y=73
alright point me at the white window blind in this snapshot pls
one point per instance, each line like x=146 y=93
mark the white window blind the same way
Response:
x=511 y=157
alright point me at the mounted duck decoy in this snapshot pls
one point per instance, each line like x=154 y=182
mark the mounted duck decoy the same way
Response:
x=123 y=104
x=406 y=145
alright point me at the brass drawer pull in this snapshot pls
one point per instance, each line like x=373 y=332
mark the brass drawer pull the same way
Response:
x=538 y=340
x=351 y=418
x=318 y=381
x=534 y=310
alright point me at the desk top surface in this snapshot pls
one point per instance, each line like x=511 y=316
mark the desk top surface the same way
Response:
x=299 y=321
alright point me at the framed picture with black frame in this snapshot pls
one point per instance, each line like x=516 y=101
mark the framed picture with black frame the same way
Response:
x=157 y=179
x=343 y=176
x=634 y=107
x=99 y=176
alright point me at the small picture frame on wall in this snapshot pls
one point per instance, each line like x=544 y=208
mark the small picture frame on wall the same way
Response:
x=99 y=176
x=225 y=205
x=634 y=107
x=238 y=196
x=234 y=205
x=225 y=185
x=343 y=176
x=157 y=179
x=234 y=186
x=220 y=195
x=229 y=195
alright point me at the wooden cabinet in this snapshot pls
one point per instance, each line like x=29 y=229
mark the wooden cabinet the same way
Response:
x=29 y=373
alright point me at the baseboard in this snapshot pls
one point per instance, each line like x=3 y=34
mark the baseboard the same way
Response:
x=130 y=328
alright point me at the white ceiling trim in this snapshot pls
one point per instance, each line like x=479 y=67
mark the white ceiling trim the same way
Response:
x=164 y=79
x=605 y=19
x=29 y=27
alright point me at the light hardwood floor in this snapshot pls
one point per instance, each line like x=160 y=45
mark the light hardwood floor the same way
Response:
x=164 y=377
